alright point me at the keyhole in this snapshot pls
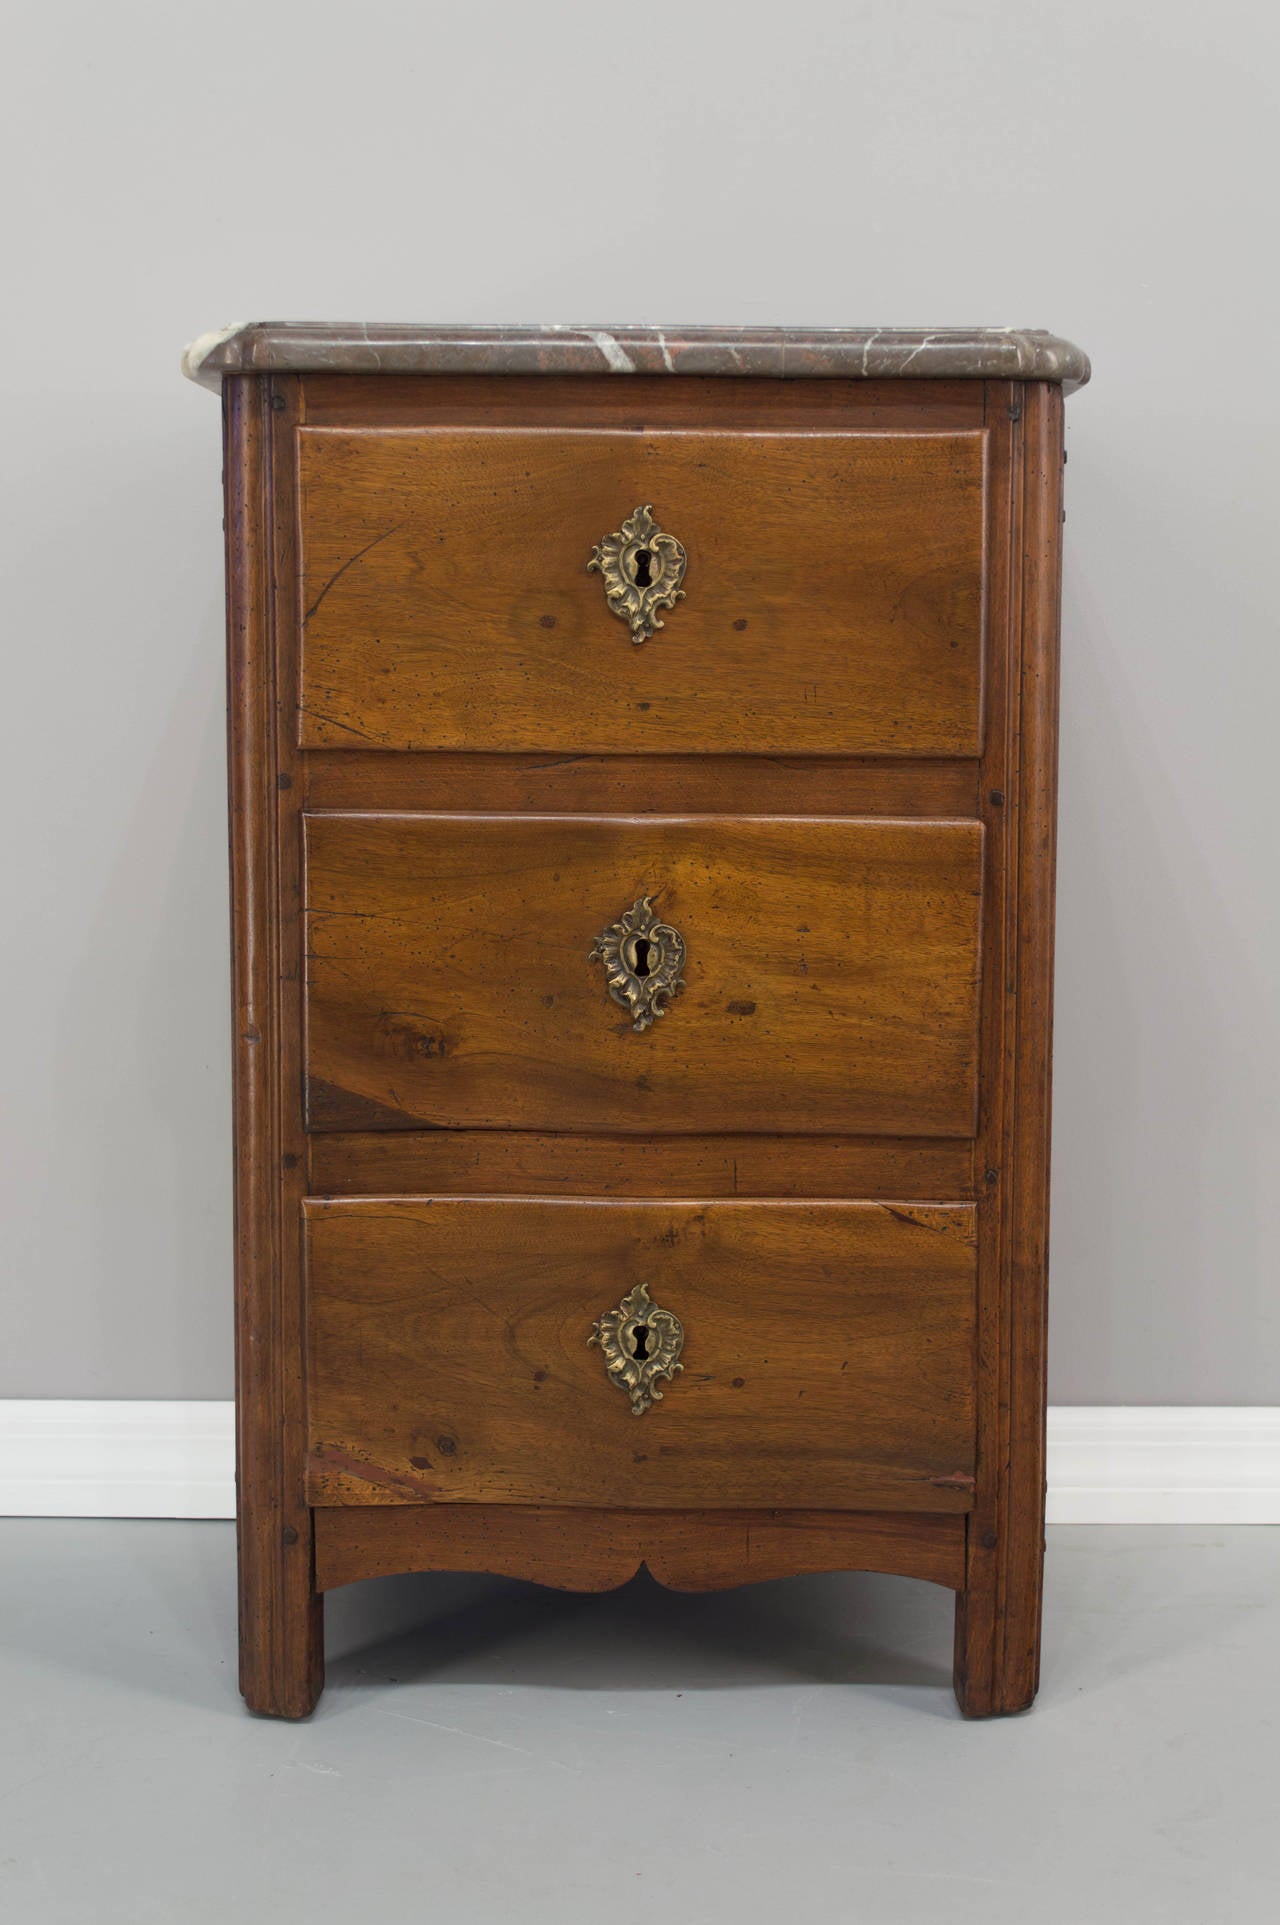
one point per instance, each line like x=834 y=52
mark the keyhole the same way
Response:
x=642 y=561
x=643 y=946
x=640 y=1341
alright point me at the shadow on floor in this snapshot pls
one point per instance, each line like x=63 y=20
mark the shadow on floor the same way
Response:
x=847 y=1628
x=150 y=1606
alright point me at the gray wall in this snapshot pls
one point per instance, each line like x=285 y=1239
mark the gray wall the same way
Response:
x=1102 y=168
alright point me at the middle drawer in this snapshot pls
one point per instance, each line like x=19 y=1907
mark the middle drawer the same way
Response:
x=829 y=969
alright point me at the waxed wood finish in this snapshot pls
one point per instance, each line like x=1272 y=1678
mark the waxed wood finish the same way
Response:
x=828 y=1353
x=588 y=1550
x=831 y=974
x=998 y=1612
x=640 y=784
x=281 y=1640
x=481 y=1162
x=641 y=405
x=833 y=592
x=372 y=1147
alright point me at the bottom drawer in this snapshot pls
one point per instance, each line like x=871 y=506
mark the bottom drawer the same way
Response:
x=826 y=1353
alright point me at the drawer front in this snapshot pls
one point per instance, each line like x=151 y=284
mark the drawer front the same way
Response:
x=830 y=974
x=827 y=1353
x=833 y=592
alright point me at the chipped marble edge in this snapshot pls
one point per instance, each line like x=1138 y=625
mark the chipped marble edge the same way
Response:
x=274 y=347
x=200 y=357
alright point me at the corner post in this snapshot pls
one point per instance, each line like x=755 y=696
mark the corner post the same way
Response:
x=997 y=1651
x=281 y=1621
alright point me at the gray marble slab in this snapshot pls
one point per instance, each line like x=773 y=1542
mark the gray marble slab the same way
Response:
x=307 y=347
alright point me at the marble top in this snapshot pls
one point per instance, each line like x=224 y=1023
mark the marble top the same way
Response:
x=309 y=347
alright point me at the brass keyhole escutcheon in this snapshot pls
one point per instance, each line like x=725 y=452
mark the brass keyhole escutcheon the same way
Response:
x=641 y=1343
x=642 y=958
x=643 y=569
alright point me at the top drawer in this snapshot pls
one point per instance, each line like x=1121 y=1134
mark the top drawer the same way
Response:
x=833 y=591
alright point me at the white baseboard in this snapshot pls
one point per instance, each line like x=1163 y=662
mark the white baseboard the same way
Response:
x=65 y=1458
x=1182 y=1464
x=1107 y=1465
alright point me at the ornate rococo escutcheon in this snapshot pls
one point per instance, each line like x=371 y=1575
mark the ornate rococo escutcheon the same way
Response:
x=642 y=570
x=640 y=1343
x=642 y=960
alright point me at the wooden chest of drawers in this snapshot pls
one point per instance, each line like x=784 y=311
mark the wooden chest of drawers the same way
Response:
x=642 y=767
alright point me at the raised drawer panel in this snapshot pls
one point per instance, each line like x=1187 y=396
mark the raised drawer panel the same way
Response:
x=833 y=592
x=831 y=974
x=828 y=1353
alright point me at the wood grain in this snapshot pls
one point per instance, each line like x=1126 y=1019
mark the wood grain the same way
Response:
x=833 y=592
x=823 y=1493
x=828 y=1353
x=577 y=1550
x=831 y=974
x=642 y=404
x=281 y=1631
x=638 y=784
x=478 y=1162
x=998 y=1614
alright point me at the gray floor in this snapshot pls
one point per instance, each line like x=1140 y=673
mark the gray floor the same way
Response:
x=487 y=1751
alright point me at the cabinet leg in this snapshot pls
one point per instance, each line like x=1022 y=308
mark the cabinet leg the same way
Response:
x=281 y=1620
x=997 y=1651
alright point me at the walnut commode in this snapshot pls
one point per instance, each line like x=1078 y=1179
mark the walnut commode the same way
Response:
x=642 y=954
